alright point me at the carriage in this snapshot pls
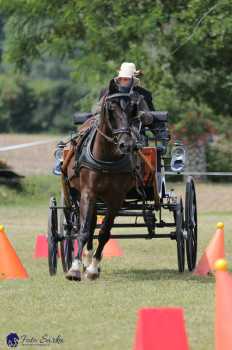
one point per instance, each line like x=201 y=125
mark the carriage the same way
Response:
x=146 y=205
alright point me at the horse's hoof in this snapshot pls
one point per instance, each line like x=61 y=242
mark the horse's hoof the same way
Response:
x=73 y=275
x=86 y=267
x=92 y=276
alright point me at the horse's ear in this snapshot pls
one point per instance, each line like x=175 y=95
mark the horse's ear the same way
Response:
x=102 y=103
x=112 y=87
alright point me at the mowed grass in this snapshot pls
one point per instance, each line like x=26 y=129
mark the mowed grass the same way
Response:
x=102 y=314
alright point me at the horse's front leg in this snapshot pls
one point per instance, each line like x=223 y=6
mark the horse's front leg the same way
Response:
x=88 y=253
x=87 y=215
x=93 y=270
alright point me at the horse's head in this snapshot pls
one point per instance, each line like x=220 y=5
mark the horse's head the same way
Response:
x=119 y=111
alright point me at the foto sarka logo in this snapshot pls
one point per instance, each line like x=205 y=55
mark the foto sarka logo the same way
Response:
x=12 y=340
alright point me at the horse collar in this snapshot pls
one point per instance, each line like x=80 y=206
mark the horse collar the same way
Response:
x=87 y=160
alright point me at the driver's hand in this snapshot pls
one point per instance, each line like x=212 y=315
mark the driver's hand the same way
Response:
x=146 y=117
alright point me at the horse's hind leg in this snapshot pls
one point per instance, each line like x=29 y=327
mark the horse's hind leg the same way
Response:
x=87 y=211
x=93 y=270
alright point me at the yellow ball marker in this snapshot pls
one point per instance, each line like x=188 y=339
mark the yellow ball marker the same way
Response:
x=220 y=225
x=221 y=265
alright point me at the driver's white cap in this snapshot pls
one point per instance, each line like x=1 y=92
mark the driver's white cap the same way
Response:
x=127 y=70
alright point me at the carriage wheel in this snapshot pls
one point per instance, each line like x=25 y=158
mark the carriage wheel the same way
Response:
x=52 y=236
x=179 y=219
x=66 y=245
x=191 y=223
x=66 y=253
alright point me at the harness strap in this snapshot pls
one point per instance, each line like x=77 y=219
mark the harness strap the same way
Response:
x=67 y=159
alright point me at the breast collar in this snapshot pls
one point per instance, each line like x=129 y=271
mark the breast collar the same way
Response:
x=87 y=160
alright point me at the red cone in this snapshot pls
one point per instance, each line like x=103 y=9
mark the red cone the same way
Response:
x=112 y=248
x=161 y=329
x=41 y=247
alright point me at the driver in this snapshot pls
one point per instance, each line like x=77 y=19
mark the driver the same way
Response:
x=127 y=80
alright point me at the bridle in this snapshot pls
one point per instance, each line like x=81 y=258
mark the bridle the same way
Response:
x=115 y=132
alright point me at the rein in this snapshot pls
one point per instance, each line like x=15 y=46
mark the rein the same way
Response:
x=108 y=138
x=114 y=132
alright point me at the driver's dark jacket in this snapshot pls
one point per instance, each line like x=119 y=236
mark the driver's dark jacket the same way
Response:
x=113 y=89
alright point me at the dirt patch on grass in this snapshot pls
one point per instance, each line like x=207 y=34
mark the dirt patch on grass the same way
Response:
x=211 y=197
x=37 y=159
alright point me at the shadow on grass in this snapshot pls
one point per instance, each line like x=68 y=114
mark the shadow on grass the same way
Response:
x=160 y=274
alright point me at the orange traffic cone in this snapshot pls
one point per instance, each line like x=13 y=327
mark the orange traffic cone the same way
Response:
x=223 y=319
x=214 y=251
x=10 y=265
x=112 y=248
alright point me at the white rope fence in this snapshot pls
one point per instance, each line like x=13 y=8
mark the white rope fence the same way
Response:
x=196 y=173
x=25 y=145
x=44 y=142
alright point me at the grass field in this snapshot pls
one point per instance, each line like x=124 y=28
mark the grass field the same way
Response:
x=102 y=314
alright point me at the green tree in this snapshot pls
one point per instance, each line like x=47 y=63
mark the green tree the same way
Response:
x=184 y=47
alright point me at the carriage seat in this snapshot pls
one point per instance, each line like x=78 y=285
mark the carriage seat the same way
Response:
x=81 y=117
x=159 y=116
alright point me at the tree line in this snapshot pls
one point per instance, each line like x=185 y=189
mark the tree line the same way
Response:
x=56 y=56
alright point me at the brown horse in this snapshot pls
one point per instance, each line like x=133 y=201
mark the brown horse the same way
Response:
x=106 y=174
